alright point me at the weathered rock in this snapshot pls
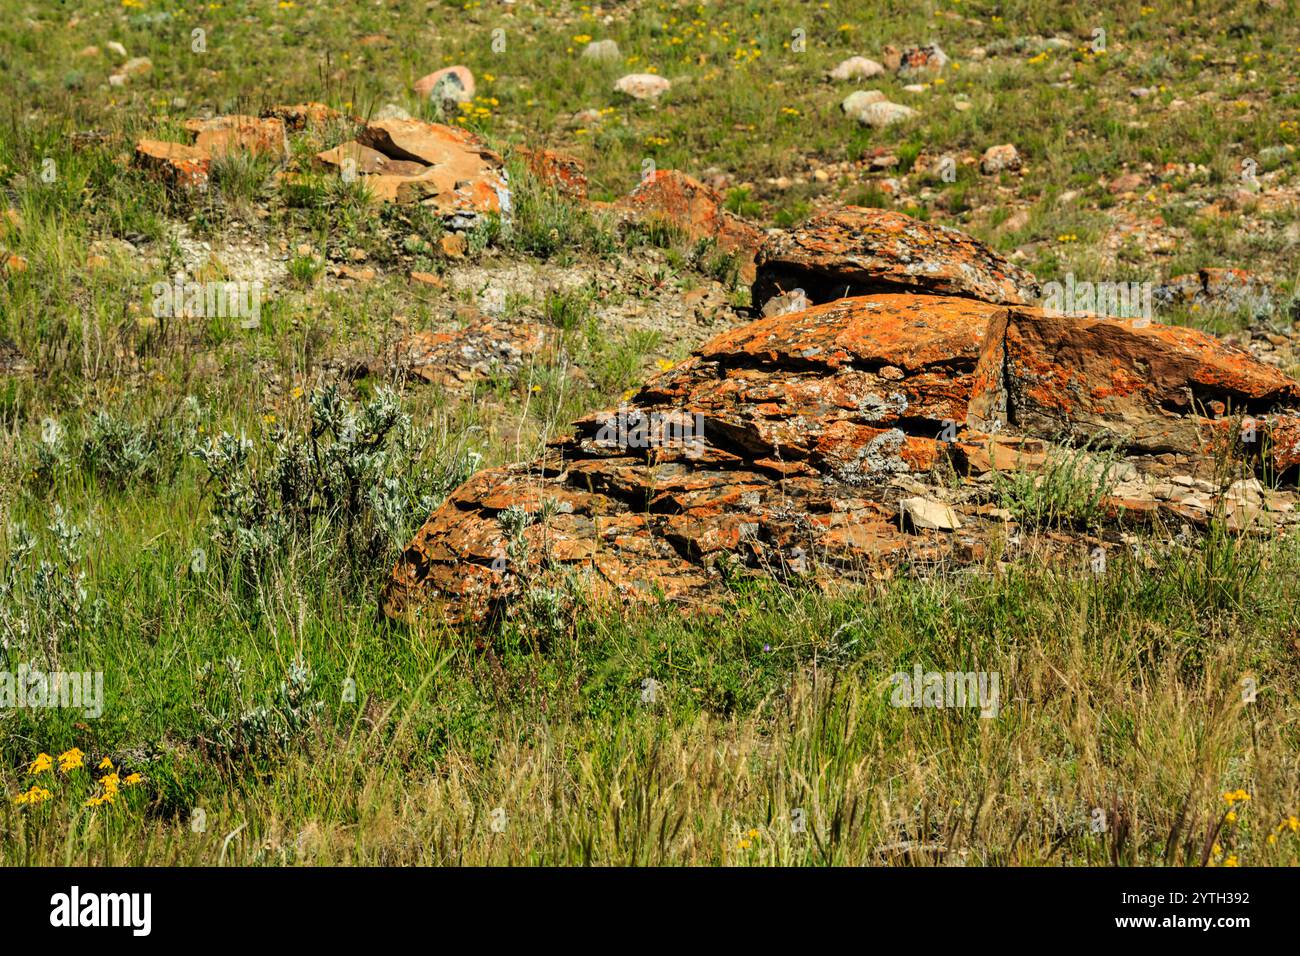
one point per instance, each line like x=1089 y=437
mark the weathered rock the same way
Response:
x=853 y=251
x=178 y=165
x=792 y=447
x=642 y=86
x=364 y=160
x=481 y=346
x=856 y=101
x=916 y=60
x=454 y=83
x=136 y=66
x=301 y=116
x=856 y=68
x=1151 y=388
x=771 y=444
x=463 y=179
x=870 y=108
x=926 y=513
x=793 y=301
x=1229 y=290
x=564 y=173
x=687 y=204
x=226 y=134
x=997 y=159
x=983 y=454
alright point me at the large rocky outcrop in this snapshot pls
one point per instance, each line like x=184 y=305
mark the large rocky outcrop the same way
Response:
x=792 y=446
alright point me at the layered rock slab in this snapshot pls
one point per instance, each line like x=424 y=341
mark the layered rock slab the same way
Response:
x=1146 y=388
x=852 y=251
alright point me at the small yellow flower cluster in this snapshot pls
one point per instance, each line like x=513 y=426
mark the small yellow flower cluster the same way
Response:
x=657 y=141
x=42 y=764
x=1067 y=237
x=75 y=759
x=37 y=794
x=1291 y=823
x=481 y=108
x=71 y=760
x=110 y=783
x=1040 y=58
x=1236 y=796
x=748 y=839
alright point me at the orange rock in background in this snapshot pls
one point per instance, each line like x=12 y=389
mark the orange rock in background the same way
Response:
x=464 y=177
x=689 y=205
x=222 y=135
x=855 y=251
x=178 y=165
x=565 y=173
x=300 y=116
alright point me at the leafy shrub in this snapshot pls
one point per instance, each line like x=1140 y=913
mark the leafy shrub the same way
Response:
x=43 y=602
x=359 y=477
x=123 y=453
x=232 y=726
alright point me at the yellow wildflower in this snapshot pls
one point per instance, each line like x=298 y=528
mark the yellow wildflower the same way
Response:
x=33 y=796
x=70 y=760
x=42 y=763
